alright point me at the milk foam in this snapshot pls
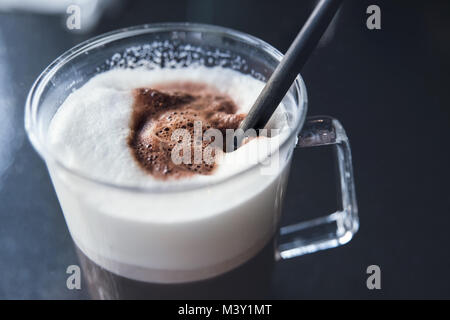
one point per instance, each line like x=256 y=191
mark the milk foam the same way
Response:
x=163 y=237
x=90 y=129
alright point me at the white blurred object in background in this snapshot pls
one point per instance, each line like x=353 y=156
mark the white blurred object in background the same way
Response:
x=91 y=10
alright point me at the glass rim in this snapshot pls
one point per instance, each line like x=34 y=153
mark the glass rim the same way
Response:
x=32 y=101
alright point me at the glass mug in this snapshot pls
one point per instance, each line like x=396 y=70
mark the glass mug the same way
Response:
x=221 y=238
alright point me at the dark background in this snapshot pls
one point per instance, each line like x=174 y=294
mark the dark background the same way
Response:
x=388 y=87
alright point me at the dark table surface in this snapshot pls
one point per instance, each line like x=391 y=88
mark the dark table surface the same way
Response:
x=388 y=87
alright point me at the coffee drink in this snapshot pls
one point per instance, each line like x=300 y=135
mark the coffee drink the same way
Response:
x=159 y=203
x=154 y=228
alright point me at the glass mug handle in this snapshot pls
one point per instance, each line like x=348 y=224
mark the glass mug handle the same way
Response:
x=339 y=227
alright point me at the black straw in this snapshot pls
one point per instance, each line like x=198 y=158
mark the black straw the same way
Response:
x=290 y=66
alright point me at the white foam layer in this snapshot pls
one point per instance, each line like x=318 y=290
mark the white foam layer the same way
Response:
x=90 y=129
x=162 y=237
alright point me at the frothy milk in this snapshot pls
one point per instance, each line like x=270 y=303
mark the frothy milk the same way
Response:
x=209 y=227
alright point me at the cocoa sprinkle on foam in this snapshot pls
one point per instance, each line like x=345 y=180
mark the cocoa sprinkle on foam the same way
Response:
x=162 y=109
